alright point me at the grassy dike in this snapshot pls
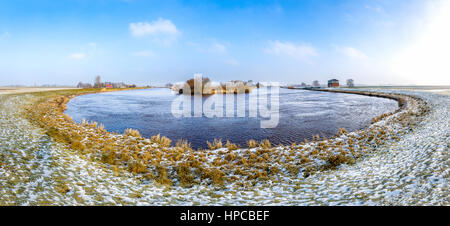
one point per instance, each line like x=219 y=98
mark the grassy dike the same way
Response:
x=156 y=159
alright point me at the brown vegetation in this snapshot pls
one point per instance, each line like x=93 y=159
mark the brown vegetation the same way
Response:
x=156 y=160
x=216 y=144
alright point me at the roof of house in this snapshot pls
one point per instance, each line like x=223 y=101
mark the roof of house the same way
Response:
x=333 y=80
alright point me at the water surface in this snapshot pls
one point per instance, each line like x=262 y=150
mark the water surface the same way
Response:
x=302 y=114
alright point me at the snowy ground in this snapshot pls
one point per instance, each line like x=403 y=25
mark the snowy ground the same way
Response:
x=413 y=171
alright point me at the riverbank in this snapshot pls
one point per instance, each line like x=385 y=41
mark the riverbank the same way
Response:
x=316 y=188
x=302 y=115
x=180 y=165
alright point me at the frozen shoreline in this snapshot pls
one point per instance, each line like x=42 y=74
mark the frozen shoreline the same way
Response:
x=412 y=171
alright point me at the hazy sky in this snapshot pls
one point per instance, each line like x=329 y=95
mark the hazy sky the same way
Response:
x=154 y=42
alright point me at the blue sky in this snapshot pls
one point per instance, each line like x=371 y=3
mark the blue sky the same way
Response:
x=154 y=42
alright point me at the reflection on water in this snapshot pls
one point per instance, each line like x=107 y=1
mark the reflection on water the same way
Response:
x=302 y=114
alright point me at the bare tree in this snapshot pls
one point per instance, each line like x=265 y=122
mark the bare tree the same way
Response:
x=202 y=81
x=98 y=82
x=350 y=83
x=303 y=84
x=316 y=83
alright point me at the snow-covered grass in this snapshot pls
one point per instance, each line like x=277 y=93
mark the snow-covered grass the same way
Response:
x=400 y=159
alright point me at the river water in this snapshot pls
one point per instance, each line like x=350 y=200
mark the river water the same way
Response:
x=302 y=114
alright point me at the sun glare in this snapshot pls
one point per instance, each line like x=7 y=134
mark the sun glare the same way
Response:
x=426 y=61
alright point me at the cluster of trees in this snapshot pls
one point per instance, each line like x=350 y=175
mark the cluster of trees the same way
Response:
x=203 y=82
x=316 y=83
x=350 y=83
x=209 y=87
x=99 y=84
x=84 y=85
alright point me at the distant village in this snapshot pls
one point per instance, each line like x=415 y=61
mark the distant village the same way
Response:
x=215 y=87
x=108 y=85
x=332 y=83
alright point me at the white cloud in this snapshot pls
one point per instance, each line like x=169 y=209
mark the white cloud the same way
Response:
x=160 y=30
x=160 y=26
x=77 y=56
x=298 y=51
x=216 y=47
x=351 y=52
x=5 y=35
x=144 y=53
x=88 y=50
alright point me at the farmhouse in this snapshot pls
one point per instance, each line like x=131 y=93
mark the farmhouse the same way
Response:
x=333 y=83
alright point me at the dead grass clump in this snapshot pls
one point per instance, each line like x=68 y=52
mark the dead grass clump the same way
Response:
x=93 y=125
x=77 y=145
x=184 y=175
x=108 y=157
x=62 y=188
x=231 y=146
x=265 y=144
x=304 y=159
x=115 y=170
x=242 y=161
x=217 y=177
x=101 y=127
x=108 y=154
x=239 y=171
x=380 y=117
x=230 y=157
x=252 y=143
x=61 y=102
x=217 y=162
x=184 y=144
x=162 y=176
x=161 y=140
x=308 y=171
x=137 y=166
x=274 y=170
x=149 y=176
x=262 y=151
x=335 y=160
x=58 y=135
x=132 y=133
x=252 y=157
x=124 y=155
x=316 y=137
x=342 y=131
x=293 y=169
x=262 y=175
x=68 y=118
x=216 y=144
